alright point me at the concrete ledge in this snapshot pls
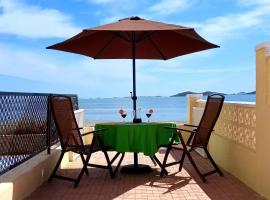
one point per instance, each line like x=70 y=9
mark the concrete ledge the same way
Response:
x=236 y=103
x=24 y=179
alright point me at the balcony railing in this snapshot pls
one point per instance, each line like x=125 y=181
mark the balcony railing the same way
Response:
x=237 y=122
x=26 y=127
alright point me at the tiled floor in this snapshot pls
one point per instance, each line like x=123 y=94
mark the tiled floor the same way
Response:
x=184 y=185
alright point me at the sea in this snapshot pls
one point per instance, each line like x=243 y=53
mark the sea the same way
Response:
x=165 y=108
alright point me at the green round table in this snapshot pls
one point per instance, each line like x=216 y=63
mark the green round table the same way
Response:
x=133 y=137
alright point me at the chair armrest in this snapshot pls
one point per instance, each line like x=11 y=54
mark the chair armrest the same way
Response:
x=77 y=128
x=180 y=135
x=90 y=126
x=195 y=126
x=179 y=129
x=94 y=132
x=193 y=132
x=83 y=127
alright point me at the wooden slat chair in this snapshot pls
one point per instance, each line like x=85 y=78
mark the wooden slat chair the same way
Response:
x=199 y=137
x=71 y=139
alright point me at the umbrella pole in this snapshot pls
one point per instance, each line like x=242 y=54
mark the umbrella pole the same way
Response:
x=134 y=97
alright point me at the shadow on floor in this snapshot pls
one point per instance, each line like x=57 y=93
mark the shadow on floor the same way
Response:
x=216 y=186
x=177 y=185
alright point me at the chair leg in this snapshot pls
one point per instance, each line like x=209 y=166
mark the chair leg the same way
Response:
x=212 y=161
x=84 y=164
x=83 y=170
x=90 y=151
x=108 y=164
x=164 y=161
x=119 y=163
x=114 y=158
x=182 y=161
x=160 y=165
x=195 y=166
x=77 y=181
x=153 y=160
x=57 y=165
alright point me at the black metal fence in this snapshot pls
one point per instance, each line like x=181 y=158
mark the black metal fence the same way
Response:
x=26 y=127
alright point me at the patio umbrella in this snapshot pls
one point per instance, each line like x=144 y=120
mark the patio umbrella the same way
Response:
x=135 y=38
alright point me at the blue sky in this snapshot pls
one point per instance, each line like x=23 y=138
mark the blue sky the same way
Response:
x=28 y=26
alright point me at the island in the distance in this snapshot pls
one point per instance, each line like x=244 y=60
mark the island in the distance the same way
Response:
x=210 y=92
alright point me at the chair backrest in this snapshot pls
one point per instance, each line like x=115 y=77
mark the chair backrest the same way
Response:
x=66 y=124
x=210 y=115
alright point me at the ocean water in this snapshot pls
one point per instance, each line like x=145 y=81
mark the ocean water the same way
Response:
x=165 y=108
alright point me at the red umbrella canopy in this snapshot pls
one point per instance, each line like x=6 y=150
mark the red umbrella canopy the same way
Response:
x=135 y=38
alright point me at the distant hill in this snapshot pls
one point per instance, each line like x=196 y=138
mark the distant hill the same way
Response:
x=181 y=94
x=206 y=93
x=254 y=92
x=244 y=93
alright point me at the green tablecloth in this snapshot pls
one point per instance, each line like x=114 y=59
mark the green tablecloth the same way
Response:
x=142 y=137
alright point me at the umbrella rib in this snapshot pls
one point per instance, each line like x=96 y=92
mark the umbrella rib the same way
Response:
x=104 y=47
x=145 y=36
x=122 y=37
x=159 y=51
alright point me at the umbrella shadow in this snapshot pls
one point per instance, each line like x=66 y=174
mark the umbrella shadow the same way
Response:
x=170 y=182
x=98 y=185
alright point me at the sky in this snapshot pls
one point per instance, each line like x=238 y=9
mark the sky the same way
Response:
x=27 y=27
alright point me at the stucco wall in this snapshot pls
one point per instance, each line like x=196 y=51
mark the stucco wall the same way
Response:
x=241 y=142
x=263 y=117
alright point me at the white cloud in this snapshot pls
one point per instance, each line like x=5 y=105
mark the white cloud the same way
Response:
x=253 y=2
x=219 y=28
x=101 y=1
x=34 y=22
x=113 y=10
x=117 y=9
x=111 y=19
x=201 y=70
x=104 y=78
x=43 y=66
x=167 y=7
x=185 y=65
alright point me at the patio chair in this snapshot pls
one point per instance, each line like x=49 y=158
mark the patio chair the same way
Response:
x=71 y=139
x=199 y=137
